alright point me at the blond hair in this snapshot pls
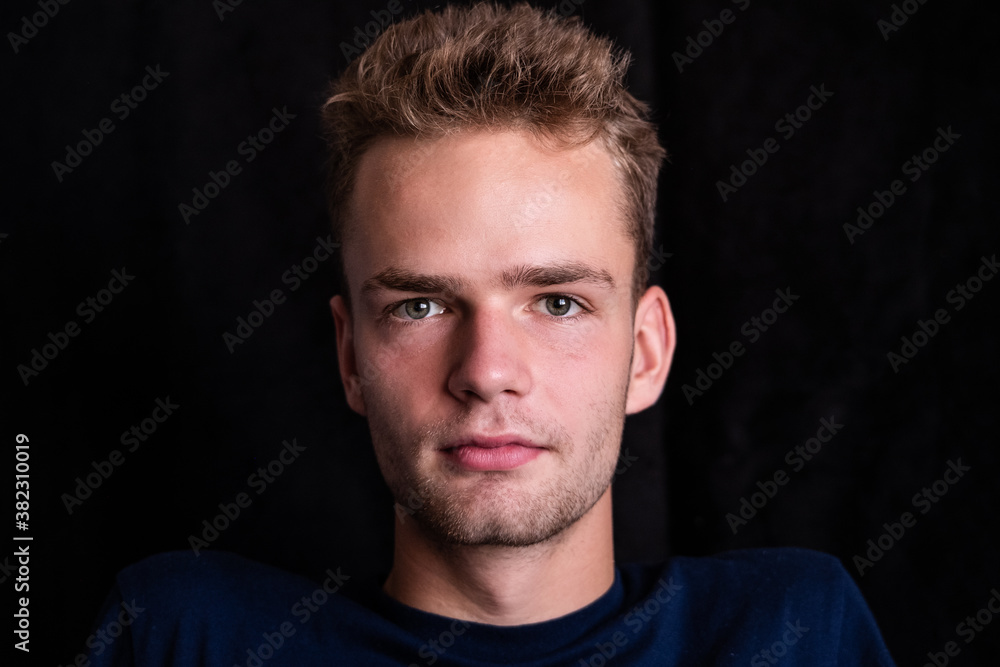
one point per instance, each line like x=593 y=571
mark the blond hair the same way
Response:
x=487 y=67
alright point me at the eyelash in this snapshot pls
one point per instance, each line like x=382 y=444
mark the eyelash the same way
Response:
x=584 y=308
x=387 y=314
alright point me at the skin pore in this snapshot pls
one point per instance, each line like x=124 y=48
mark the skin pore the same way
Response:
x=491 y=343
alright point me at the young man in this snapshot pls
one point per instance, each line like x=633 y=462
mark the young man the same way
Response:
x=493 y=185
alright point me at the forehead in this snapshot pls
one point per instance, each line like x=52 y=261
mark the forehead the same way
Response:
x=469 y=201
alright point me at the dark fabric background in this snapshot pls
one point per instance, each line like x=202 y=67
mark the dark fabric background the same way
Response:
x=689 y=463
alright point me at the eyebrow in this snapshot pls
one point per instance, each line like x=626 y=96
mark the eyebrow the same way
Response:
x=408 y=281
x=518 y=276
x=555 y=274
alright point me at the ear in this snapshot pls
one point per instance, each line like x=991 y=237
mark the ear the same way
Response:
x=345 y=355
x=653 y=349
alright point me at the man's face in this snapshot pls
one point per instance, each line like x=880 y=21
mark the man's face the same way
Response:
x=492 y=330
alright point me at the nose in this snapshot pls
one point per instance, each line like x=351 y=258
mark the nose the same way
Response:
x=489 y=357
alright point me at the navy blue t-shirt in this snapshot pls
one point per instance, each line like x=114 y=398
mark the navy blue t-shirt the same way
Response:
x=752 y=607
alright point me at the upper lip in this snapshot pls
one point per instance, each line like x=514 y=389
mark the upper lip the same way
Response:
x=490 y=442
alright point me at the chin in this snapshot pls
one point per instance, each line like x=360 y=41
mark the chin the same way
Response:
x=504 y=517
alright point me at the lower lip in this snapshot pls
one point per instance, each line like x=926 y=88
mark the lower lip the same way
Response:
x=481 y=459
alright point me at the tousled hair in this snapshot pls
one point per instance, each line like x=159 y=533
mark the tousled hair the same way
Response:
x=487 y=67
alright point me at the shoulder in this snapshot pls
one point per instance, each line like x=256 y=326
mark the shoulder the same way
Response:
x=762 y=560
x=783 y=581
x=181 y=608
x=799 y=568
x=755 y=602
x=747 y=571
x=181 y=581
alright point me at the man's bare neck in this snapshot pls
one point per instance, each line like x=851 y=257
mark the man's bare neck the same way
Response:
x=506 y=585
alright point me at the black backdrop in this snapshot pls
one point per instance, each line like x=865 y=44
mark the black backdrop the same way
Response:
x=223 y=71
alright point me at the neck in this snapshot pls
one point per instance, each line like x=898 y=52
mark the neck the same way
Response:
x=506 y=585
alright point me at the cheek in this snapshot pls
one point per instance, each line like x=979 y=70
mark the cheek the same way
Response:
x=399 y=365
x=582 y=369
x=590 y=348
x=410 y=365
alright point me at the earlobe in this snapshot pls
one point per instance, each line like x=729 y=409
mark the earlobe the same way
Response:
x=655 y=338
x=346 y=358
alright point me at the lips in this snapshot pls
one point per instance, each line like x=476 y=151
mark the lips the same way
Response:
x=497 y=453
